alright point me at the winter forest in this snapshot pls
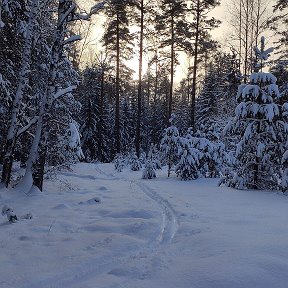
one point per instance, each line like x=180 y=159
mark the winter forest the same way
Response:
x=129 y=97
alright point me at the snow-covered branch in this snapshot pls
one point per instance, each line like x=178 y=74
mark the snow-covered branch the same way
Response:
x=26 y=127
x=62 y=92
x=72 y=39
x=68 y=12
x=96 y=8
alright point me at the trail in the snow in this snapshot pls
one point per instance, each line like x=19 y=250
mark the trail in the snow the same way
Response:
x=169 y=218
x=89 y=270
x=169 y=225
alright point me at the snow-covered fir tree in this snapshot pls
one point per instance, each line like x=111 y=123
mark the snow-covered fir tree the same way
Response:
x=152 y=163
x=95 y=115
x=149 y=172
x=155 y=156
x=188 y=166
x=216 y=100
x=211 y=152
x=119 y=162
x=170 y=143
x=135 y=164
x=261 y=128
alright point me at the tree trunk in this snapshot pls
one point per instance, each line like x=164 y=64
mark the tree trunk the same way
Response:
x=117 y=96
x=39 y=166
x=170 y=99
x=194 y=79
x=22 y=84
x=64 y=10
x=240 y=34
x=138 y=128
x=101 y=120
x=246 y=47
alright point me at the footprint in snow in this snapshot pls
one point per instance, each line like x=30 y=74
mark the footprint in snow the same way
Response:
x=92 y=201
x=61 y=206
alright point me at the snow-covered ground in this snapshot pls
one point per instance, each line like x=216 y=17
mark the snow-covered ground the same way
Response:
x=95 y=227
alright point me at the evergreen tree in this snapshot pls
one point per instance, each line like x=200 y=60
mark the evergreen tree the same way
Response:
x=149 y=172
x=135 y=163
x=170 y=143
x=94 y=116
x=279 y=24
x=262 y=130
x=216 y=99
x=118 y=40
x=173 y=30
x=200 y=27
x=210 y=149
x=188 y=166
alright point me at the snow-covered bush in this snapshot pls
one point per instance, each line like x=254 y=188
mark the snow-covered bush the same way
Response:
x=149 y=172
x=169 y=144
x=154 y=157
x=6 y=210
x=211 y=154
x=188 y=166
x=135 y=163
x=119 y=162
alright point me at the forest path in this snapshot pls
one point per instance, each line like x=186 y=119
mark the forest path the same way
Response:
x=130 y=263
x=94 y=227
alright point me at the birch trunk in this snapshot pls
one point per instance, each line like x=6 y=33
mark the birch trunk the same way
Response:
x=47 y=100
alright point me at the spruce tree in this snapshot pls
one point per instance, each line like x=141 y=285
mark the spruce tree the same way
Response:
x=188 y=166
x=261 y=128
x=170 y=144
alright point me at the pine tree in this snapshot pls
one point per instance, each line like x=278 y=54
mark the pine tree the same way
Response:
x=173 y=30
x=118 y=40
x=135 y=163
x=202 y=42
x=149 y=172
x=284 y=180
x=279 y=24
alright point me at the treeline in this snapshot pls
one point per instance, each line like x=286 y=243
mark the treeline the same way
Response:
x=46 y=99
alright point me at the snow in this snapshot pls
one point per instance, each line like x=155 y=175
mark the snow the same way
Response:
x=253 y=90
x=263 y=77
x=96 y=227
x=74 y=140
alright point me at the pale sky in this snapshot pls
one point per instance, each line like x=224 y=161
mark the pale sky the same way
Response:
x=218 y=13
x=221 y=34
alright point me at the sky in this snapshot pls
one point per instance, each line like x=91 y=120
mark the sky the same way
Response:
x=94 y=45
x=221 y=34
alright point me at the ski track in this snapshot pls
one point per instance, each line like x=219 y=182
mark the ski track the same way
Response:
x=170 y=222
x=87 y=270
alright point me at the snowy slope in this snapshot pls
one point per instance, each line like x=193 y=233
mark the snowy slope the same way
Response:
x=95 y=227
